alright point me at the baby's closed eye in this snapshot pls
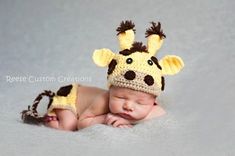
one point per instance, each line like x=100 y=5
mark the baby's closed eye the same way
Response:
x=143 y=103
x=120 y=97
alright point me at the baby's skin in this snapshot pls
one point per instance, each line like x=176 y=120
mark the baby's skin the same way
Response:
x=117 y=107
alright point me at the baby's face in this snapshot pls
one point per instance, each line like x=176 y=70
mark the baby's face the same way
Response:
x=130 y=104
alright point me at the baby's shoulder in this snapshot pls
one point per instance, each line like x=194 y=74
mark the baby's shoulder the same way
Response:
x=100 y=104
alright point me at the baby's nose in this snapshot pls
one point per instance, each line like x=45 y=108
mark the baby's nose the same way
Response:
x=128 y=107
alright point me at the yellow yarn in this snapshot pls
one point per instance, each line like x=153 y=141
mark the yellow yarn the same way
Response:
x=154 y=43
x=139 y=66
x=102 y=57
x=64 y=102
x=171 y=64
x=126 y=39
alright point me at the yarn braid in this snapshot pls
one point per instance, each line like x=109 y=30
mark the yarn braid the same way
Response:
x=31 y=115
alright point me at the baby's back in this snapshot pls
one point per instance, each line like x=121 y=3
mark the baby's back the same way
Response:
x=85 y=96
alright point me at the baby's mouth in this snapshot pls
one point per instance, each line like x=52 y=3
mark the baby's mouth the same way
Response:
x=126 y=116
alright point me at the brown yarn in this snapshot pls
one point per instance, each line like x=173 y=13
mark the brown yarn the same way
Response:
x=112 y=65
x=163 y=83
x=31 y=115
x=125 y=25
x=155 y=60
x=155 y=29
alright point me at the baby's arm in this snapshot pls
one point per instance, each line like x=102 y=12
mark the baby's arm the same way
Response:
x=95 y=113
x=117 y=121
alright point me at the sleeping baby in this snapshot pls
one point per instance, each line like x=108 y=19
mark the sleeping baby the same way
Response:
x=135 y=79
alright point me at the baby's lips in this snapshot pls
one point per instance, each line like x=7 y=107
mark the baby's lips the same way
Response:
x=126 y=116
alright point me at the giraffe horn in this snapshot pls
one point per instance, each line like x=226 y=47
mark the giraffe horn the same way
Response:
x=155 y=37
x=126 y=34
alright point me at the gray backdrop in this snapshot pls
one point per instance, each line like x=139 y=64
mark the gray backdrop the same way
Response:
x=46 y=44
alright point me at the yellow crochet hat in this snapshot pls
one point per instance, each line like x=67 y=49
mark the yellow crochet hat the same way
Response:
x=135 y=66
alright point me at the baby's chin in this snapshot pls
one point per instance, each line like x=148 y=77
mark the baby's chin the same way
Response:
x=140 y=117
x=135 y=118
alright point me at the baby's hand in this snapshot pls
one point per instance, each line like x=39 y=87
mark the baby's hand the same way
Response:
x=117 y=121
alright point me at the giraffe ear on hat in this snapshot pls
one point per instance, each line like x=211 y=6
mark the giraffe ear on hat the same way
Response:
x=102 y=57
x=171 y=64
x=155 y=38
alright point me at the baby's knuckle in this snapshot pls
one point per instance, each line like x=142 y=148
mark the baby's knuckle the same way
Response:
x=108 y=116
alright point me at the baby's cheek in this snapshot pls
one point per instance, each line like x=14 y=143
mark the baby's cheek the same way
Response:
x=113 y=107
x=143 y=112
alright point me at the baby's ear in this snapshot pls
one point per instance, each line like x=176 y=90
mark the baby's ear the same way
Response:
x=102 y=57
x=171 y=64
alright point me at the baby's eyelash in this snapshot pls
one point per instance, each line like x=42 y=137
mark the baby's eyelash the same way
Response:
x=141 y=103
x=120 y=97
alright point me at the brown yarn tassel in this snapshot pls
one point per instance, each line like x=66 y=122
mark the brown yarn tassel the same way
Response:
x=31 y=115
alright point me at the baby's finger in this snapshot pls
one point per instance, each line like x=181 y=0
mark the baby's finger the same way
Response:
x=129 y=126
x=110 y=121
x=123 y=126
x=117 y=123
x=107 y=118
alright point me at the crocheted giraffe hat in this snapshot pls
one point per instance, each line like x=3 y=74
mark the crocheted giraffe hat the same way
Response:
x=135 y=66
